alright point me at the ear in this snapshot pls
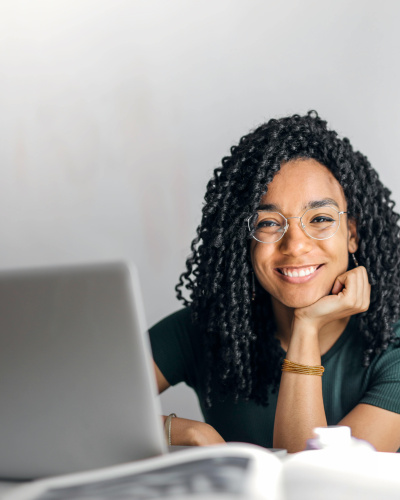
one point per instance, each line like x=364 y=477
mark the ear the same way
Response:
x=352 y=238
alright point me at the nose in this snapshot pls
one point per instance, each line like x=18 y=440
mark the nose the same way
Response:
x=295 y=242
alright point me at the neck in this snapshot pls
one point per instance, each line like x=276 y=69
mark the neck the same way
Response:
x=284 y=316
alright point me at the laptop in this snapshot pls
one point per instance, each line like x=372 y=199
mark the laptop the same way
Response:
x=77 y=388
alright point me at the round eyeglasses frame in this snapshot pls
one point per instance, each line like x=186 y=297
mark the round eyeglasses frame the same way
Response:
x=302 y=225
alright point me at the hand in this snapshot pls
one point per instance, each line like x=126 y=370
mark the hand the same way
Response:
x=185 y=432
x=350 y=295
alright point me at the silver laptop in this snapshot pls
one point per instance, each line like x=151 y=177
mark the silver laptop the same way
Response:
x=77 y=388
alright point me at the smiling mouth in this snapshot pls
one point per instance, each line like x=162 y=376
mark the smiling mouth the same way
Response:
x=298 y=272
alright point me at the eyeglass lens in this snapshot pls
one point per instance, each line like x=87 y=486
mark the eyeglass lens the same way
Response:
x=319 y=223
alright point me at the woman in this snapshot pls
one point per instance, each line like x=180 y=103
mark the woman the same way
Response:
x=294 y=273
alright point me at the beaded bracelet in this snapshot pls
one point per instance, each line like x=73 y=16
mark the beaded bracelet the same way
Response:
x=290 y=366
x=167 y=427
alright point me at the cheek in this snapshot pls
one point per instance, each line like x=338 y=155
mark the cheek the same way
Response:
x=339 y=254
x=261 y=255
x=261 y=260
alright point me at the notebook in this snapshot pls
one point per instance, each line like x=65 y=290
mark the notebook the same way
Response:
x=77 y=388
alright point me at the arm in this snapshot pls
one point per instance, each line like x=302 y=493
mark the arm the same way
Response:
x=185 y=432
x=378 y=426
x=300 y=405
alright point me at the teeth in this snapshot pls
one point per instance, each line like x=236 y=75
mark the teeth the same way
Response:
x=295 y=274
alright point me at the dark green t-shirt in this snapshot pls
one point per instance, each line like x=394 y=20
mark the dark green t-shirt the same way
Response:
x=177 y=350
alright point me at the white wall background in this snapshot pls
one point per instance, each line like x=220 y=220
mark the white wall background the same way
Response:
x=114 y=113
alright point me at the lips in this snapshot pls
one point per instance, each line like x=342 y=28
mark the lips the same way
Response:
x=298 y=274
x=297 y=271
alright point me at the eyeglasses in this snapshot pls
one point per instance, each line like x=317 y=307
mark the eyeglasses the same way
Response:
x=318 y=223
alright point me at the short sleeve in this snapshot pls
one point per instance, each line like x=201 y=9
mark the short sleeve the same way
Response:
x=174 y=345
x=383 y=389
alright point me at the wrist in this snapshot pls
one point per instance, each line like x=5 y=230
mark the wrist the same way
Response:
x=304 y=327
x=304 y=346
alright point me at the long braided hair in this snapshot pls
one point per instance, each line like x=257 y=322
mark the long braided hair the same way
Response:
x=242 y=352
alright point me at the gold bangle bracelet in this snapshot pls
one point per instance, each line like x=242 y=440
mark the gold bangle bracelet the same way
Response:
x=290 y=366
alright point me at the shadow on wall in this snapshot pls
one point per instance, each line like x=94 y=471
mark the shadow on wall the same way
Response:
x=181 y=400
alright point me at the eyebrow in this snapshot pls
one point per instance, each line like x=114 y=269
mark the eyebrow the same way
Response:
x=271 y=207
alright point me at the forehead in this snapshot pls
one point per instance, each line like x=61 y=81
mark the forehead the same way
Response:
x=300 y=182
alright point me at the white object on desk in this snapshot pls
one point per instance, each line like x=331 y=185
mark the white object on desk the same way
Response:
x=231 y=471
x=343 y=474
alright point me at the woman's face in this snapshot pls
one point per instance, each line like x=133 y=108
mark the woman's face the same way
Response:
x=298 y=183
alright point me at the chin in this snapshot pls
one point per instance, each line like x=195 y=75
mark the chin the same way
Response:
x=297 y=304
x=300 y=301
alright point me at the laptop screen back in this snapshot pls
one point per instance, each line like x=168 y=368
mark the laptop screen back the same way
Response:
x=77 y=390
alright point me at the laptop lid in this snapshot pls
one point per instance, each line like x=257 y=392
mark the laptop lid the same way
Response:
x=77 y=388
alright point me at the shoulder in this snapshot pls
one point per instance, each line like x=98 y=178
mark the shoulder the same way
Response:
x=176 y=344
x=176 y=333
x=388 y=361
x=177 y=322
x=383 y=377
x=396 y=328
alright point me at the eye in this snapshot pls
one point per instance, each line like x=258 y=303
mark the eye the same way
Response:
x=267 y=223
x=322 y=219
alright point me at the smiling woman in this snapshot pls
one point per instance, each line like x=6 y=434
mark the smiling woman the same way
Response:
x=316 y=241
x=296 y=228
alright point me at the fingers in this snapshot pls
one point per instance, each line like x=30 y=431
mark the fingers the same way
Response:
x=337 y=286
x=367 y=292
x=350 y=295
x=355 y=289
x=363 y=291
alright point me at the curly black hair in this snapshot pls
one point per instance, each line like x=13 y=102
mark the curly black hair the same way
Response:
x=243 y=354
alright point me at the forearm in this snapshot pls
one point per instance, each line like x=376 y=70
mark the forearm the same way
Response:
x=300 y=405
x=186 y=432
